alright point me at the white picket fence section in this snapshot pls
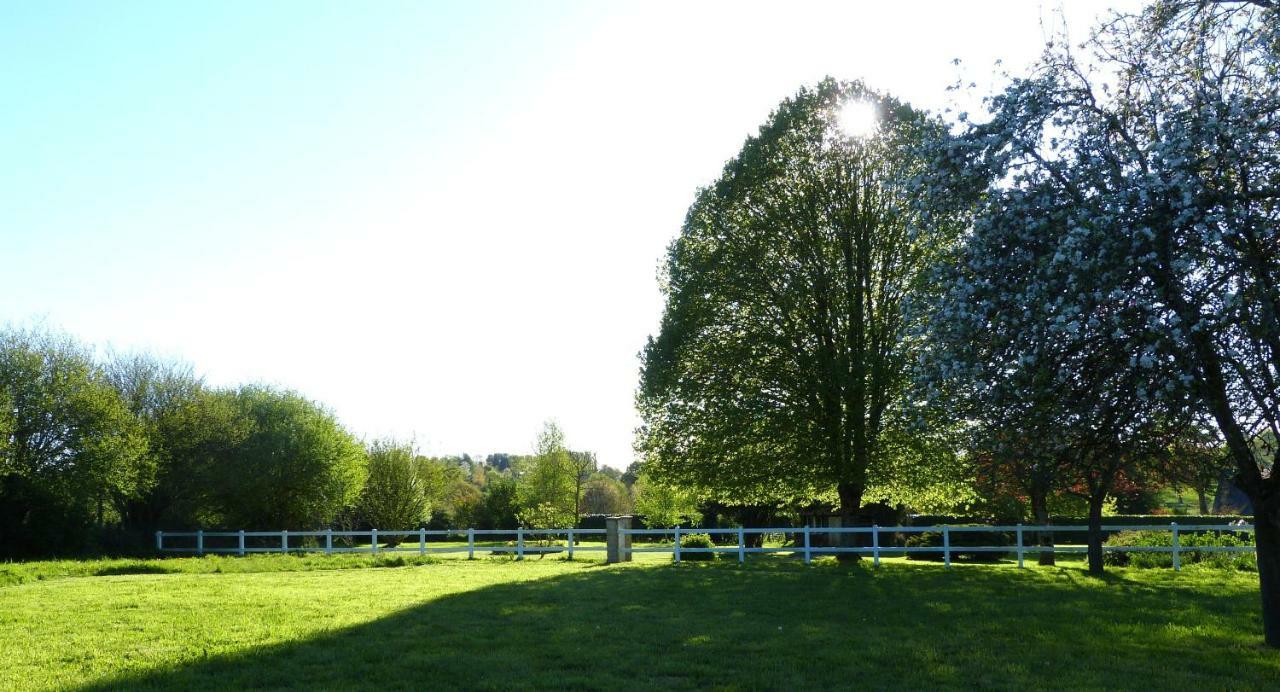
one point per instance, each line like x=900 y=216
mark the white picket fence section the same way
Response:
x=804 y=535
x=803 y=543
x=410 y=541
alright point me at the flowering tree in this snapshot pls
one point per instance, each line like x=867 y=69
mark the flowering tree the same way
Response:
x=1037 y=362
x=1145 y=174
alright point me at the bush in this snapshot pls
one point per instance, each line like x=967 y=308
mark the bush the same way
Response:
x=1187 y=542
x=696 y=540
x=959 y=540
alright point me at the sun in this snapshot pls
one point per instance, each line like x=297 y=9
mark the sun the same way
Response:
x=858 y=119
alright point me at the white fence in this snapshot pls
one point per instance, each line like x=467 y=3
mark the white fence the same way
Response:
x=404 y=541
x=882 y=539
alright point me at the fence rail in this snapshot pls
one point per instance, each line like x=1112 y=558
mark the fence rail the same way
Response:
x=802 y=541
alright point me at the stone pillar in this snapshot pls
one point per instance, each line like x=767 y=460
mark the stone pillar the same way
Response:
x=617 y=543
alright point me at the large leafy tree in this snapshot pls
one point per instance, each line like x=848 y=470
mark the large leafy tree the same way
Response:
x=160 y=394
x=780 y=369
x=1161 y=136
x=291 y=465
x=72 y=452
x=198 y=440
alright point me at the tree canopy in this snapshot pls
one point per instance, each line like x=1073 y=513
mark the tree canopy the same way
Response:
x=780 y=369
x=72 y=451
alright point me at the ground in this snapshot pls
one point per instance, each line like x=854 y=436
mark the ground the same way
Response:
x=282 y=621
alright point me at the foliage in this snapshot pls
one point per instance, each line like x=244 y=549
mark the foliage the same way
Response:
x=959 y=540
x=395 y=495
x=312 y=466
x=160 y=394
x=543 y=515
x=780 y=367
x=699 y=541
x=611 y=473
x=605 y=495
x=500 y=462
x=632 y=472
x=663 y=504
x=73 y=454
x=545 y=482
x=583 y=466
x=1196 y=461
x=500 y=508
x=1186 y=542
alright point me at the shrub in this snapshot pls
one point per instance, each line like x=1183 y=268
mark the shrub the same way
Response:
x=696 y=540
x=959 y=540
x=1188 y=556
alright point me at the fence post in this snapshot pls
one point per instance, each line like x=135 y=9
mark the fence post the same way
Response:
x=1019 y=546
x=617 y=539
x=422 y=541
x=742 y=546
x=677 y=547
x=284 y=541
x=519 y=542
x=159 y=541
x=200 y=542
x=373 y=541
x=875 y=545
x=240 y=545
x=471 y=544
x=328 y=541
x=946 y=546
x=1177 y=558
x=808 y=556
x=570 y=541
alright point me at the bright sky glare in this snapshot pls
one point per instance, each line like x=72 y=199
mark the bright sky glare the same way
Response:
x=858 y=118
x=442 y=220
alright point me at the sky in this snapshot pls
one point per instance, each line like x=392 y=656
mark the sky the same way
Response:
x=444 y=221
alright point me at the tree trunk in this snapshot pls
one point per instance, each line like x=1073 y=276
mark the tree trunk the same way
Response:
x=1095 y=535
x=1266 y=521
x=850 y=503
x=1040 y=510
x=1203 y=496
x=577 y=505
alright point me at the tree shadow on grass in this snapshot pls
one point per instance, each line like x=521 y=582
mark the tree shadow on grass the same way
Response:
x=777 y=627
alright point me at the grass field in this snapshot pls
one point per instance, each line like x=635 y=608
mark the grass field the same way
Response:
x=284 y=621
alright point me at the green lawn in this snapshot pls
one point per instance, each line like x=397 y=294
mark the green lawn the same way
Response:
x=281 y=621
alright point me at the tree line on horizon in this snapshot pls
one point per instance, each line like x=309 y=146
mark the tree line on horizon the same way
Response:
x=97 y=453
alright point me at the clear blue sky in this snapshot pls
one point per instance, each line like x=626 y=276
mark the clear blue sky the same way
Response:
x=442 y=220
